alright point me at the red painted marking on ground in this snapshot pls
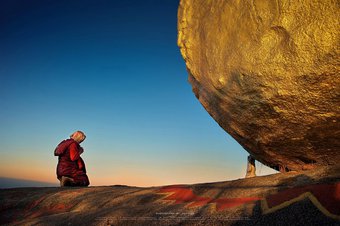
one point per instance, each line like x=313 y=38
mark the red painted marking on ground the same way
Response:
x=182 y=194
x=328 y=196
x=38 y=208
x=52 y=209
x=225 y=203
x=58 y=207
x=35 y=203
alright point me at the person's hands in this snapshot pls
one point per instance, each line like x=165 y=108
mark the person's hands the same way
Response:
x=80 y=164
x=81 y=150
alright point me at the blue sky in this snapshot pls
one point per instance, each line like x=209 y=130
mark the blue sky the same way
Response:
x=113 y=70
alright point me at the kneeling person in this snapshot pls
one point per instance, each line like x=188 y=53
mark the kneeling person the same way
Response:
x=71 y=169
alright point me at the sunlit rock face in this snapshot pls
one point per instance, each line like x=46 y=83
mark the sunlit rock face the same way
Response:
x=268 y=72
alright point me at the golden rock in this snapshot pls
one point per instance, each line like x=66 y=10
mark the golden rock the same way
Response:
x=268 y=72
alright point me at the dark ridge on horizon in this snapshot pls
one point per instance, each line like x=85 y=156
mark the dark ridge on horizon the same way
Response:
x=6 y=182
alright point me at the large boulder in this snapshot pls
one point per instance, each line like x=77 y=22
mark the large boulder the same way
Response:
x=268 y=72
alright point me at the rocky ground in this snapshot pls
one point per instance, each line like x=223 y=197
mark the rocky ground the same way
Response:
x=308 y=198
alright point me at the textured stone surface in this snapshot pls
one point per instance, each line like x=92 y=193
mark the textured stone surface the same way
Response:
x=268 y=72
x=295 y=198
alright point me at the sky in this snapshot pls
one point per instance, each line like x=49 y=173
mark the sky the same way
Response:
x=113 y=70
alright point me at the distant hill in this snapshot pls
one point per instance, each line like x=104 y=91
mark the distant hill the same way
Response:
x=16 y=183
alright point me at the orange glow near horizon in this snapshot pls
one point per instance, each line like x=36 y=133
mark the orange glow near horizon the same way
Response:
x=128 y=177
x=140 y=174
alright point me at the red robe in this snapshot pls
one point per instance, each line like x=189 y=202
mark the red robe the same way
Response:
x=70 y=164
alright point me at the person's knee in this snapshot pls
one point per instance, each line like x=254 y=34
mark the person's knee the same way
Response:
x=66 y=181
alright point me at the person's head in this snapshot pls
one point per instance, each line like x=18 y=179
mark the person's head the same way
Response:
x=78 y=136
